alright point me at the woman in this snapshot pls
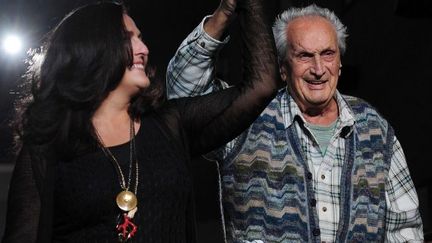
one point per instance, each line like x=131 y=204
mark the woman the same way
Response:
x=102 y=160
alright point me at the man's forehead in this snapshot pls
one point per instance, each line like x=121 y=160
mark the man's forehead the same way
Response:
x=311 y=33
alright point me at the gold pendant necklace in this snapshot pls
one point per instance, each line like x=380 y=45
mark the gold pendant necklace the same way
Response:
x=126 y=200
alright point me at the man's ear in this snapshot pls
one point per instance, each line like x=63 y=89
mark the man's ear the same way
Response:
x=283 y=72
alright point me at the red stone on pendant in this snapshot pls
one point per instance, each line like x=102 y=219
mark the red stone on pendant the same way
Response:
x=127 y=228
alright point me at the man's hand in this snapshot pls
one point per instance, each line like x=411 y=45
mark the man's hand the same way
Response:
x=228 y=7
x=221 y=18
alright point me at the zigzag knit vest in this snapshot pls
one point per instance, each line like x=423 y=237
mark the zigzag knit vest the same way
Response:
x=268 y=188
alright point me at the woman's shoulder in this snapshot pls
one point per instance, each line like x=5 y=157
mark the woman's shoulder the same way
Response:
x=166 y=118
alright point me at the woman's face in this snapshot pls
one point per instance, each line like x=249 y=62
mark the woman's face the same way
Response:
x=135 y=77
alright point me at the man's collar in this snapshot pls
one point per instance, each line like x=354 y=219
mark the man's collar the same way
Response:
x=290 y=110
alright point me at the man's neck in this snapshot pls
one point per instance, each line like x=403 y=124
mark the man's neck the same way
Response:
x=322 y=116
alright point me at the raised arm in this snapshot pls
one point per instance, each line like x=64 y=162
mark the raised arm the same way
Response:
x=221 y=18
x=191 y=71
x=215 y=119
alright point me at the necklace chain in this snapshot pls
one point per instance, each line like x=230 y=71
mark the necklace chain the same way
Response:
x=132 y=157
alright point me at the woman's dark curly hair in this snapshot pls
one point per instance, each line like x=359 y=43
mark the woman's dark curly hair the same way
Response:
x=83 y=60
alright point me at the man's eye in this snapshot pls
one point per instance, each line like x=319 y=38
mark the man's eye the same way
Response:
x=328 y=54
x=305 y=56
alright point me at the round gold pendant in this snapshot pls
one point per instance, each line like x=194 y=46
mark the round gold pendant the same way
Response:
x=126 y=201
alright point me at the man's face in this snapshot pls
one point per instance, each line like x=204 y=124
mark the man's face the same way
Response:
x=312 y=63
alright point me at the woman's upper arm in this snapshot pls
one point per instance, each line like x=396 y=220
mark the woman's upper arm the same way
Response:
x=23 y=205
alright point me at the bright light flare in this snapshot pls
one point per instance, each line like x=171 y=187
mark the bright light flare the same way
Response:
x=12 y=44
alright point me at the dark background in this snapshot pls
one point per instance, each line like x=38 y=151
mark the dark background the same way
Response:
x=388 y=59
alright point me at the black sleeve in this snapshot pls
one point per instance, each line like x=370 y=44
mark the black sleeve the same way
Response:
x=212 y=120
x=23 y=205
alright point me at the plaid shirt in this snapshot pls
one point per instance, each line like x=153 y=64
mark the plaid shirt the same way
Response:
x=191 y=72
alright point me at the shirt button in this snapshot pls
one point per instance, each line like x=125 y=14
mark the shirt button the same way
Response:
x=316 y=232
x=309 y=176
x=313 y=202
x=324 y=209
x=323 y=177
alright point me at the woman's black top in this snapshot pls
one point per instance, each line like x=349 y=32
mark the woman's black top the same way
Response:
x=74 y=201
x=86 y=188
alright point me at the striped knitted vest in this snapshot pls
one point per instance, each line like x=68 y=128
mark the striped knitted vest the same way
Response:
x=268 y=193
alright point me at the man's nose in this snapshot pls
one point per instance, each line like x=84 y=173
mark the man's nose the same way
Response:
x=317 y=68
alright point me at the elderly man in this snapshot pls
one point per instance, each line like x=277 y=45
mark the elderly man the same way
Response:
x=316 y=166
